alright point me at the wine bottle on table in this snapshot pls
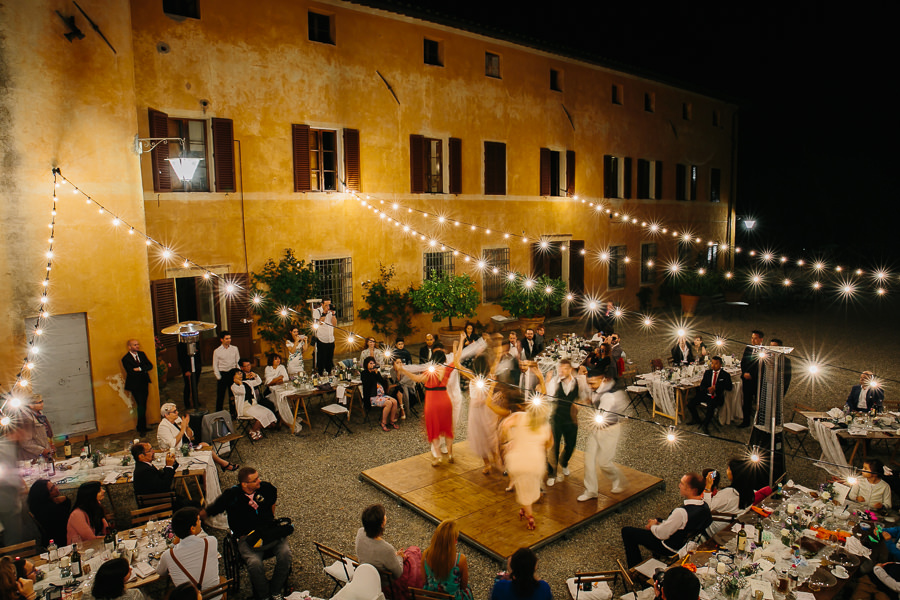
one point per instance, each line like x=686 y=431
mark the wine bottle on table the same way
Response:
x=67 y=448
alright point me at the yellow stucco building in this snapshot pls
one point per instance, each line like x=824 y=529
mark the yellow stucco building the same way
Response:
x=301 y=111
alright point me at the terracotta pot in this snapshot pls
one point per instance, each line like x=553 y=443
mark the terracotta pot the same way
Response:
x=689 y=305
x=448 y=335
x=529 y=323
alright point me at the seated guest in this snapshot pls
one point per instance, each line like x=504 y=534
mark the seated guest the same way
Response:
x=446 y=568
x=248 y=404
x=712 y=390
x=539 y=334
x=867 y=395
x=883 y=583
x=522 y=583
x=250 y=506
x=699 y=350
x=668 y=536
x=193 y=560
x=677 y=583
x=401 y=352
x=173 y=431
x=34 y=435
x=275 y=373
x=404 y=388
x=255 y=382
x=682 y=353
x=603 y=365
x=87 y=521
x=375 y=391
x=528 y=347
x=371 y=350
x=147 y=478
x=597 y=338
x=870 y=488
x=731 y=500
x=50 y=509
x=109 y=582
x=13 y=587
x=469 y=335
x=405 y=566
x=427 y=350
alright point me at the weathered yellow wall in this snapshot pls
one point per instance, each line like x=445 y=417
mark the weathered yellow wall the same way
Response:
x=71 y=105
x=257 y=67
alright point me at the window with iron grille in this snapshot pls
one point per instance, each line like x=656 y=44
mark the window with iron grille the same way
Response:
x=712 y=257
x=648 y=264
x=616 y=276
x=493 y=280
x=336 y=280
x=437 y=263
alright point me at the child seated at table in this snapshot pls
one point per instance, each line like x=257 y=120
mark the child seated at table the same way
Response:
x=871 y=489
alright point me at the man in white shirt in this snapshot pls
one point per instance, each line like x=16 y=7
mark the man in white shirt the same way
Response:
x=225 y=358
x=193 y=559
x=603 y=438
x=323 y=323
x=568 y=390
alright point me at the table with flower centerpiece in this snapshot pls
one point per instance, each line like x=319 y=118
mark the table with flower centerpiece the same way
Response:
x=828 y=428
x=669 y=388
x=289 y=398
x=798 y=541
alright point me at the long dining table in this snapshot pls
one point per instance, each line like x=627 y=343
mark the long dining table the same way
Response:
x=669 y=397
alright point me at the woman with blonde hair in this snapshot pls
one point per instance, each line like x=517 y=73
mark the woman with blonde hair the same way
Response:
x=446 y=570
x=526 y=457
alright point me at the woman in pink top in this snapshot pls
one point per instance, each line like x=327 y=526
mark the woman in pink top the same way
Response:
x=87 y=521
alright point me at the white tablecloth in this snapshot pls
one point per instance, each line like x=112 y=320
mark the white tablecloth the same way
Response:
x=663 y=393
x=112 y=468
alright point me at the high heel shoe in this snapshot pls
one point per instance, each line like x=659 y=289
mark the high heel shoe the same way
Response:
x=521 y=513
x=450 y=459
x=530 y=524
x=384 y=427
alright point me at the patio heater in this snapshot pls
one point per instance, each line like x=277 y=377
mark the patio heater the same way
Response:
x=188 y=333
x=769 y=421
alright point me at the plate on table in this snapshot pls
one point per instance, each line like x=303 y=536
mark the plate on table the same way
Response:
x=840 y=572
x=844 y=558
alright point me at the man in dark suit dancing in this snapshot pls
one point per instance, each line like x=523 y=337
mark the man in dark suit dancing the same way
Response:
x=750 y=375
x=712 y=391
x=137 y=380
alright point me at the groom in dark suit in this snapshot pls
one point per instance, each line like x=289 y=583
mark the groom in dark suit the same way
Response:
x=137 y=380
x=712 y=391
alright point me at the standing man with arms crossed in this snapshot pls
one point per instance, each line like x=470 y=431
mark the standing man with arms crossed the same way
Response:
x=750 y=375
x=324 y=322
x=225 y=358
x=137 y=380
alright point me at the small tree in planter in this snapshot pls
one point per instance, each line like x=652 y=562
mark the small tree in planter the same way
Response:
x=531 y=299
x=389 y=310
x=287 y=283
x=447 y=296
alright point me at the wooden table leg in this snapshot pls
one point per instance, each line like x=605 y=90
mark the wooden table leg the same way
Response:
x=853 y=454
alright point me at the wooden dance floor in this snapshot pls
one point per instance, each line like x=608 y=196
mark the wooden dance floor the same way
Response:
x=488 y=516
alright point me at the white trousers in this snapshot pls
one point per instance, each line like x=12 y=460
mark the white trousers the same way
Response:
x=601 y=450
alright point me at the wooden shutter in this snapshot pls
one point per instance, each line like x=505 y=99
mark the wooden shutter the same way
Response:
x=238 y=305
x=300 y=143
x=223 y=153
x=576 y=266
x=351 y=159
x=162 y=172
x=545 y=171
x=570 y=173
x=416 y=164
x=494 y=168
x=455 y=148
x=658 y=192
x=165 y=311
x=626 y=193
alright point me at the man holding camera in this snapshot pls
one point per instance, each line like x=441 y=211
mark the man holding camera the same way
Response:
x=324 y=322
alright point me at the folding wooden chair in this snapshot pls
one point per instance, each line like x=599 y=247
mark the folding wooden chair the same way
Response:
x=418 y=594
x=798 y=431
x=336 y=565
x=336 y=416
x=151 y=513
x=25 y=549
x=593 y=579
x=639 y=395
x=145 y=500
x=219 y=591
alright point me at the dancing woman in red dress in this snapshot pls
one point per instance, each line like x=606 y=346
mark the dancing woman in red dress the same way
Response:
x=438 y=407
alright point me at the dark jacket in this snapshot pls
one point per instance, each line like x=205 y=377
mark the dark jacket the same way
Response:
x=678 y=358
x=136 y=380
x=404 y=355
x=150 y=480
x=873 y=395
x=243 y=518
x=534 y=351
x=723 y=384
x=750 y=364
x=424 y=356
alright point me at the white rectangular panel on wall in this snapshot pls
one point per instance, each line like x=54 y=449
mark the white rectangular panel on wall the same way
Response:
x=63 y=374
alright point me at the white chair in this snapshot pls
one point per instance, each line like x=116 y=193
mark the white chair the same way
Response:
x=365 y=585
x=338 y=566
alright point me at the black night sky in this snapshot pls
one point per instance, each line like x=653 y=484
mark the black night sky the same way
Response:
x=817 y=154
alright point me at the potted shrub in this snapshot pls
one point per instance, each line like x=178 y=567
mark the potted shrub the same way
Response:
x=529 y=300
x=447 y=296
x=691 y=285
x=389 y=309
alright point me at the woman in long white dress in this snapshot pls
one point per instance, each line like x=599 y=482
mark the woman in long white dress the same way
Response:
x=484 y=417
x=245 y=402
x=295 y=348
x=529 y=437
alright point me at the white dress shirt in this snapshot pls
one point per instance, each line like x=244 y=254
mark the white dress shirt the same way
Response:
x=225 y=359
x=189 y=553
x=676 y=521
x=325 y=332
